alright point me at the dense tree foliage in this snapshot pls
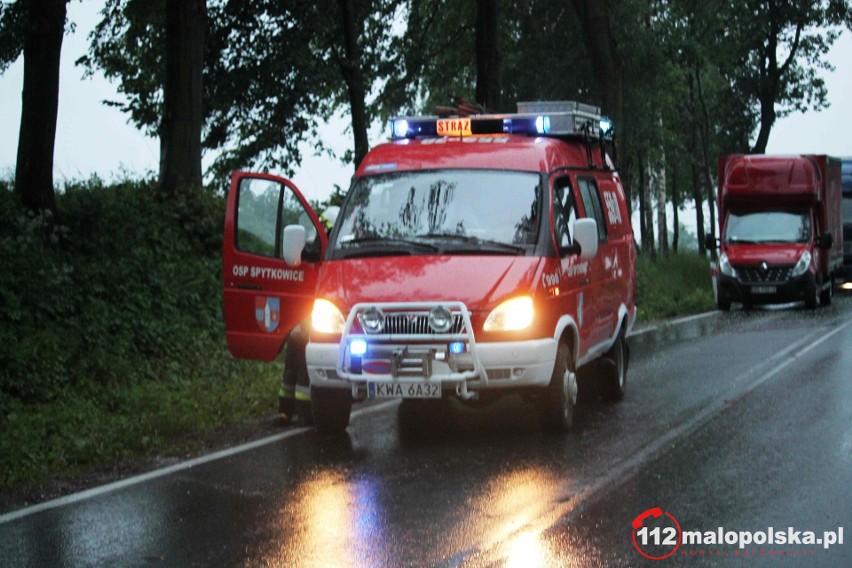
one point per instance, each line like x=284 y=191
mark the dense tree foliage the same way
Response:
x=685 y=81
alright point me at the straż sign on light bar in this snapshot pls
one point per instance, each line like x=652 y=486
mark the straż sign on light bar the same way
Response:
x=454 y=127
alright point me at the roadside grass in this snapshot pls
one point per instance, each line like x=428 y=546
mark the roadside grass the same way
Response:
x=673 y=286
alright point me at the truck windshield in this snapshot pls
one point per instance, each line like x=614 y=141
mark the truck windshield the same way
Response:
x=768 y=227
x=440 y=212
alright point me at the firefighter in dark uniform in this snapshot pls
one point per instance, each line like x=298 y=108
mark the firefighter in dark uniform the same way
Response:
x=294 y=397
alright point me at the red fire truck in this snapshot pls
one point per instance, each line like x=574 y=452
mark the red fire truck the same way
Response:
x=781 y=230
x=474 y=256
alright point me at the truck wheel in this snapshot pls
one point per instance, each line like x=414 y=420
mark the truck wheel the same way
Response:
x=812 y=298
x=331 y=409
x=616 y=379
x=723 y=303
x=825 y=295
x=556 y=406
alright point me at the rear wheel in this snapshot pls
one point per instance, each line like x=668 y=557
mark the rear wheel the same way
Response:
x=556 y=405
x=331 y=409
x=616 y=380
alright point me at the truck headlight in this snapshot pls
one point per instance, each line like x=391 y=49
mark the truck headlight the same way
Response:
x=725 y=266
x=326 y=318
x=512 y=315
x=803 y=264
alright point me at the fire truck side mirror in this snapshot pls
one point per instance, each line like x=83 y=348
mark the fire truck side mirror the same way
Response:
x=586 y=235
x=292 y=244
x=826 y=241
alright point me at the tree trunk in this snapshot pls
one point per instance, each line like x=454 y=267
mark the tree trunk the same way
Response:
x=699 y=210
x=675 y=213
x=697 y=197
x=649 y=211
x=180 y=131
x=39 y=103
x=767 y=120
x=606 y=62
x=662 y=214
x=488 y=56
x=350 y=67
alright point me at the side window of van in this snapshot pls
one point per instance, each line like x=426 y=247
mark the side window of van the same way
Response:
x=564 y=212
x=264 y=208
x=592 y=204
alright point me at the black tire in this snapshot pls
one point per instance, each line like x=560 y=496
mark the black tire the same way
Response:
x=724 y=304
x=331 y=409
x=557 y=403
x=615 y=381
x=826 y=295
x=812 y=298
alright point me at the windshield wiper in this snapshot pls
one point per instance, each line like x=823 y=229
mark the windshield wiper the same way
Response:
x=470 y=240
x=377 y=241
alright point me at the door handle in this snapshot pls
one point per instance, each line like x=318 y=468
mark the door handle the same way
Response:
x=248 y=286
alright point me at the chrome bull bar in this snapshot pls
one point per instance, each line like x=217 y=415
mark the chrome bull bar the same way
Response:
x=410 y=356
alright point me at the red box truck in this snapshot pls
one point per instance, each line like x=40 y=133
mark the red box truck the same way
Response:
x=781 y=233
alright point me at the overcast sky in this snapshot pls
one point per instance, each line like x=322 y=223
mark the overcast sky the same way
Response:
x=94 y=139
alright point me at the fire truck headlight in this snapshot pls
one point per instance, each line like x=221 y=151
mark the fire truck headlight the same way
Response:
x=512 y=315
x=803 y=264
x=326 y=318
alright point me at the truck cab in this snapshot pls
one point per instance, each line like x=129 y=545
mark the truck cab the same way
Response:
x=473 y=256
x=780 y=233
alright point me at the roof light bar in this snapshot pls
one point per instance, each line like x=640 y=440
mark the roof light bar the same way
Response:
x=549 y=118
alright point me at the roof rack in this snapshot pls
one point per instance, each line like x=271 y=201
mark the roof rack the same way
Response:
x=559 y=119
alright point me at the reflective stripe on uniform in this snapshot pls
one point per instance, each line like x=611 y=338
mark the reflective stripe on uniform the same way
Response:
x=303 y=393
x=288 y=391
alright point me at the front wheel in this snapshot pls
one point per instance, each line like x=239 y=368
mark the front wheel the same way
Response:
x=556 y=405
x=331 y=409
x=826 y=294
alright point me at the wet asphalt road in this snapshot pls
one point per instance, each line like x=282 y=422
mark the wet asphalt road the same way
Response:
x=740 y=420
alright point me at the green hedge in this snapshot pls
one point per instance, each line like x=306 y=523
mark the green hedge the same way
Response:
x=111 y=330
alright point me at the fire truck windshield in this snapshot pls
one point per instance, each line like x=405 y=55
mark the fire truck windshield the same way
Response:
x=441 y=211
x=768 y=227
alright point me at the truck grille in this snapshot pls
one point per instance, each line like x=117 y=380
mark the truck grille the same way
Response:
x=417 y=324
x=756 y=275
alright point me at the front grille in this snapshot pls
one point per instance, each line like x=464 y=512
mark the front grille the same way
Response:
x=756 y=275
x=417 y=324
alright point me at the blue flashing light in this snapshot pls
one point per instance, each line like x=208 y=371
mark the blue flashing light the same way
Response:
x=542 y=124
x=457 y=347
x=399 y=128
x=358 y=347
x=606 y=125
